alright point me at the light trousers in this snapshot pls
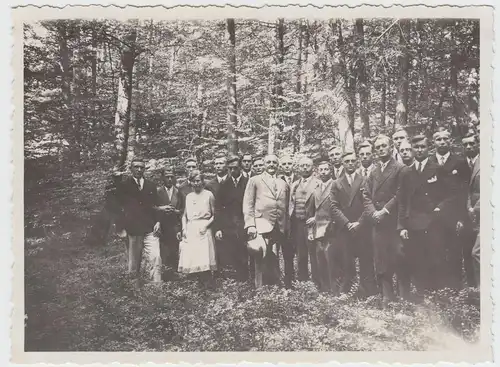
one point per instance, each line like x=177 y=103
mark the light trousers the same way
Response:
x=149 y=247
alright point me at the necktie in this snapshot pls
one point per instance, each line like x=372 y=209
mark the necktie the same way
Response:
x=417 y=166
x=138 y=182
x=365 y=172
x=235 y=183
x=441 y=160
x=471 y=164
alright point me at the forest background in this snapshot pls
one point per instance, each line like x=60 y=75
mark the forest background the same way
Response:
x=98 y=92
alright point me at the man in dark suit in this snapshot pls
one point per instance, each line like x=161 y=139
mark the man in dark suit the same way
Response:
x=190 y=165
x=365 y=153
x=471 y=147
x=220 y=165
x=300 y=210
x=455 y=173
x=350 y=230
x=335 y=156
x=423 y=193
x=406 y=152
x=171 y=207
x=320 y=227
x=265 y=209
x=141 y=221
x=286 y=164
x=381 y=211
x=397 y=138
x=229 y=221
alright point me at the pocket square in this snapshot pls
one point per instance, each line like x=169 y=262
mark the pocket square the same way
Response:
x=432 y=179
x=454 y=172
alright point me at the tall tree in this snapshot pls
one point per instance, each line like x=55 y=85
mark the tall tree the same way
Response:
x=232 y=120
x=363 y=81
x=403 y=68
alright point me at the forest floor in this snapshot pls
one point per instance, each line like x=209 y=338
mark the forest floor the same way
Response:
x=78 y=298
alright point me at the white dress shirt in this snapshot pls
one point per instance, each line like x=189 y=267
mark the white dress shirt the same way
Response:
x=442 y=159
x=419 y=166
x=139 y=183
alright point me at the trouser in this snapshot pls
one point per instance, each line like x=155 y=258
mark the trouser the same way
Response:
x=367 y=283
x=239 y=255
x=305 y=251
x=149 y=246
x=324 y=261
x=476 y=259
x=386 y=254
x=169 y=249
x=267 y=270
x=467 y=240
x=343 y=265
x=447 y=257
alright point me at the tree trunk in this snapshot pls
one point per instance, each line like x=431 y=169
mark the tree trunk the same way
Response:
x=298 y=87
x=124 y=99
x=232 y=137
x=383 y=101
x=404 y=65
x=364 y=84
x=349 y=81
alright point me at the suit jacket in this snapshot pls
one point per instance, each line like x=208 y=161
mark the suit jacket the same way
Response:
x=312 y=185
x=473 y=197
x=185 y=188
x=322 y=211
x=420 y=193
x=294 y=178
x=347 y=201
x=139 y=213
x=263 y=207
x=341 y=174
x=170 y=221
x=456 y=174
x=380 y=191
x=213 y=185
x=229 y=207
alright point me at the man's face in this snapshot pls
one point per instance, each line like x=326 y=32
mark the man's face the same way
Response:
x=138 y=169
x=406 y=152
x=471 y=146
x=350 y=162
x=306 y=168
x=398 y=138
x=271 y=163
x=442 y=142
x=382 y=148
x=246 y=162
x=258 y=166
x=325 y=172
x=335 y=156
x=287 y=166
x=168 y=180
x=421 y=150
x=190 y=167
x=366 y=156
x=220 y=166
x=234 y=169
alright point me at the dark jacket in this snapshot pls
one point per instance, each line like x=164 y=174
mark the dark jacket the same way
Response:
x=347 y=201
x=229 y=207
x=170 y=221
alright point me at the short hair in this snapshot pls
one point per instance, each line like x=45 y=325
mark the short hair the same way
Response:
x=234 y=158
x=348 y=153
x=257 y=159
x=401 y=130
x=191 y=159
x=382 y=137
x=286 y=157
x=335 y=147
x=403 y=143
x=247 y=154
x=194 y=174
x=137 y=159
x=365 y=144
x=306 y=158
x=167 y=171
x=270 y=155
x=220 y=156
x=471 y=134
x=324 y=161
x=418 y=138
x=441 y=130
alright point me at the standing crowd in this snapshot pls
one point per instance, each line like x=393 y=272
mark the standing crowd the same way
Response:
x=407 y=208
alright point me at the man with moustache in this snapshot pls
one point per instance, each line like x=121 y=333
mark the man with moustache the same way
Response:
x=246 y=165
x=366 y=159
x=320 y=229
x=286 y=164
x=406 y=152
x=229 y=221
x=265 y=210
x=171 y=207
x=301 y=208
x=380 y=204
x=335 y=156
x=397 y=138
x=470 y=143
x=456 y=173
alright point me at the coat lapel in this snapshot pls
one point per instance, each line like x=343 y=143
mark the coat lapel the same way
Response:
x=173 y=201
x=323 y=195
x=355 y=187
x=475 y=170
x=269 y=185
x=384 y=175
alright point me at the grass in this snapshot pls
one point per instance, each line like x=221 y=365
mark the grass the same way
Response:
x=78 y=299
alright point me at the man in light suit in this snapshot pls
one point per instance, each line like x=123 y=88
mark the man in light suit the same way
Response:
x=301 y=209
x=471 y=147
x=265 y=210
x=320 y=228
x=381 y=210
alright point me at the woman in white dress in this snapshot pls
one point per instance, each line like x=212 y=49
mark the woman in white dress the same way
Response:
x=197 y=250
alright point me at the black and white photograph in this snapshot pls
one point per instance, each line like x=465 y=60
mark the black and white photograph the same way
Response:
x=254 y=184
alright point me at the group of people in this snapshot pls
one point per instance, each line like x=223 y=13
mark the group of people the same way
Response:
x=410 y=217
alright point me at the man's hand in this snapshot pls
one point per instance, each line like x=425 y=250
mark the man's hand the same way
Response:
x=379 y=215
x=252 y=232
x=179 y=236
x=404 y=234
x=437 y=210
x=156 y=229
x=460 y=227
x=310 y=237
x=311 y=221
x=218 y=235
x=353 y=226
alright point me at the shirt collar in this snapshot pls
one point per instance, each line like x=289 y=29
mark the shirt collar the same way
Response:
x=445 y=157
x=268 y=175
x=473 y=160
x=237 y=179
x=220 y=179
x=421 y=165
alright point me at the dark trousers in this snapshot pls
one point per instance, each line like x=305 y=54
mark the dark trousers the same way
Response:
x=448 y=252
x=467 y=239
x=237 y=250
x=325 y=266
x=267 y=270
x=476 y=252
x=305 y=251
x=364 y=247
x=416 y=263
x=343 y=266
x=169 y=248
